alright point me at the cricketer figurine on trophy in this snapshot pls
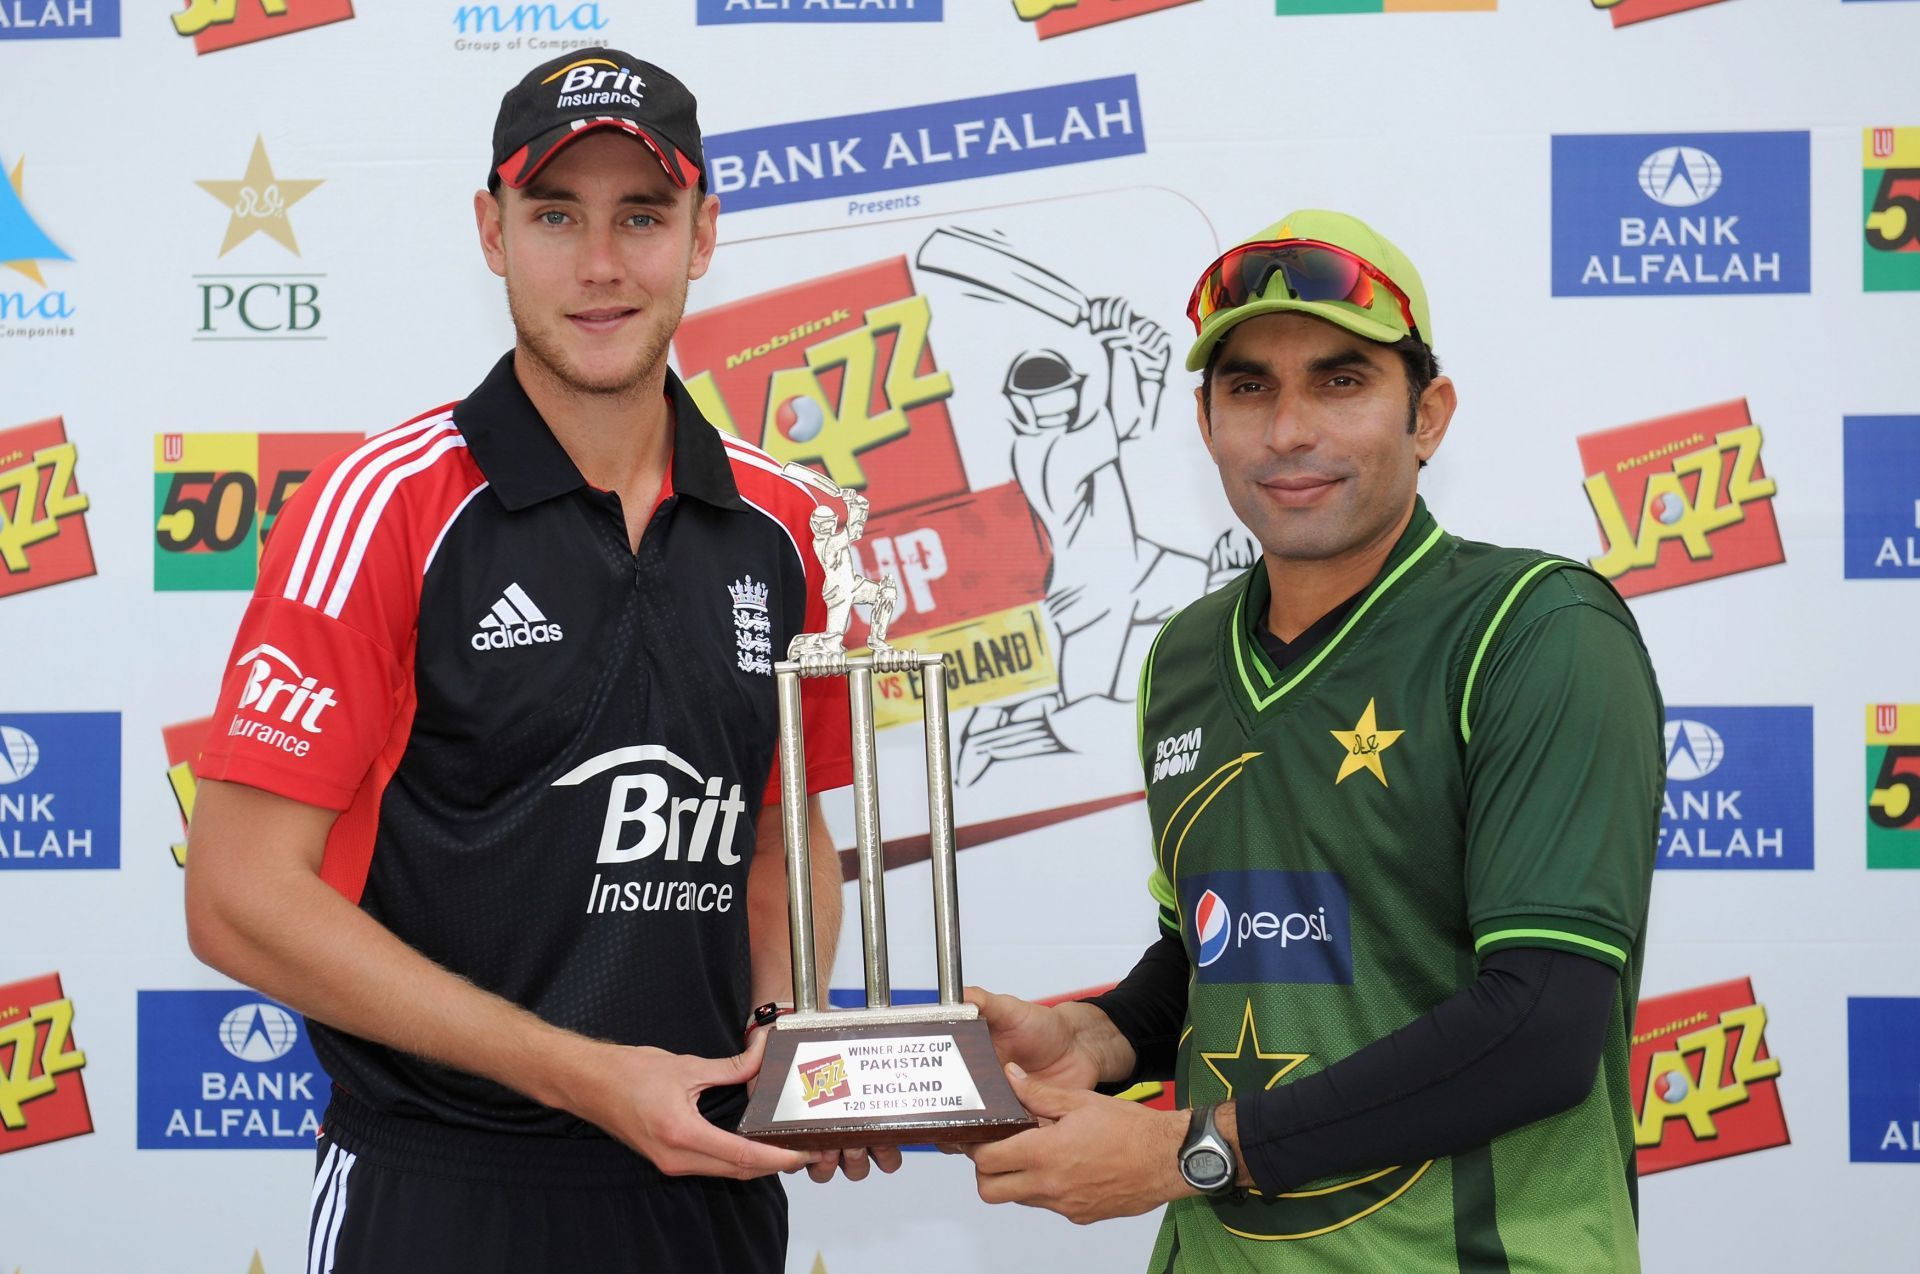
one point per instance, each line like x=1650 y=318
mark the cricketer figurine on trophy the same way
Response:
x=883 y=1075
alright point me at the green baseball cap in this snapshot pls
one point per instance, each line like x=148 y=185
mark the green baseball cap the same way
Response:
x=1341 y=286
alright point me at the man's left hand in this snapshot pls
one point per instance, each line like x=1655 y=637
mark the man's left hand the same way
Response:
x=855 y=1163
x=1092 y=1158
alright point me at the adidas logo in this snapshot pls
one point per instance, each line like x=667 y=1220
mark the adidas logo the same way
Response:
x=514 y=621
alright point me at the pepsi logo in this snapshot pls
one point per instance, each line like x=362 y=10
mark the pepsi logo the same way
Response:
x=1213 y=927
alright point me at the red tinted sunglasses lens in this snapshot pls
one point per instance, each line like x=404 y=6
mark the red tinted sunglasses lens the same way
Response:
x=1310 y=274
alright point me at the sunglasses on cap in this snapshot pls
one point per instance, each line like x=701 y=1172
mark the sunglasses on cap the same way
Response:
x=1311 y=270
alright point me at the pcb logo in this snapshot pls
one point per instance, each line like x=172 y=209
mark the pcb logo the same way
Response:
x=1893 y=785
x=1703 y=1083
x=42 y=1096
x=824 y=1080
x=1681 y=499
x=43 y=527
x=1890 y=193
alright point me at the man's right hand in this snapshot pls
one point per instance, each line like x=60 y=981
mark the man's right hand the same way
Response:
x=649 y=1099
x=1066 y=1045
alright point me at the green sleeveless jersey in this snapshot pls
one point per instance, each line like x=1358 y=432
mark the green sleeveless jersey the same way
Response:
x=1470 y=761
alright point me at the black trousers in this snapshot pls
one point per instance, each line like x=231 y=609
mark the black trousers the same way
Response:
x=406 y=1196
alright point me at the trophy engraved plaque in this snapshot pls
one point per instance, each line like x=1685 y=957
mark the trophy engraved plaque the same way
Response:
x=886 y=1074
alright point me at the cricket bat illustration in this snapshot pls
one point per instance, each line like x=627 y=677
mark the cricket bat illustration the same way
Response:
x=989 y=264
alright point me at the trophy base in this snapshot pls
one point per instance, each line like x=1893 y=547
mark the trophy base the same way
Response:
x=882 y=1083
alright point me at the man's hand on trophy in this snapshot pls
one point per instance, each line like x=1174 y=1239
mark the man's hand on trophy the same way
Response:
x=854 y=1163
x=649 y=1099
x=1044 y=1040
x=1092 y=1157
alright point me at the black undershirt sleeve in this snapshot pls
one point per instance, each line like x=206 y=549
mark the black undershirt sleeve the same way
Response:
x=1147 y=1008
x=1518 y=1044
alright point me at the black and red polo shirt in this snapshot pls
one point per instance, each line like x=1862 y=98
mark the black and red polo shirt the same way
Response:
x=548 y=750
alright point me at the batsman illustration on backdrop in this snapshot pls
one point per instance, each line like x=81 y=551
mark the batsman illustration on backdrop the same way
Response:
x=1108 y=587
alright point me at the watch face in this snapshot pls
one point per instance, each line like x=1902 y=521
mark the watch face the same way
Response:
x=1204 y=1169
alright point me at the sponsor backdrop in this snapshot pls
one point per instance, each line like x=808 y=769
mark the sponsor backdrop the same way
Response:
x=1674 y=253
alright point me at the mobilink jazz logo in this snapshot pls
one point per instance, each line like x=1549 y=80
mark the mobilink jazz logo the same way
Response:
x=59 y=19
x=721 y=12
x=1882 y=486
x=1883 y=1079
x=60 y=790
x=225 y=1070
x=1269 y=926
x=1739 y=789
x=922 y=145
x=1646 y=214
x=213 y=25
x=1627 y=12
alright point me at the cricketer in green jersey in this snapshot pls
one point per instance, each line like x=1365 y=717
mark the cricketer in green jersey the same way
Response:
x=1403 y=791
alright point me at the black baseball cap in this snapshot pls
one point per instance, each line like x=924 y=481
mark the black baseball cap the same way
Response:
x=578 y=92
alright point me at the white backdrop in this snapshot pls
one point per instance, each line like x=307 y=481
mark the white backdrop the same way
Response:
x=1436 y=127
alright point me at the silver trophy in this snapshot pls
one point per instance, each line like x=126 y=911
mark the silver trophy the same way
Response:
x=884 y=1074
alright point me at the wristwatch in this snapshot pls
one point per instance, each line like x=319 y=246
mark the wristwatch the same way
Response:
x=1206 y=1160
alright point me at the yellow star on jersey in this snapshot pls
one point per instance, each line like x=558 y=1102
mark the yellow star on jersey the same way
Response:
x=1253 y=1071
x=259 y=202
x=1364 y=744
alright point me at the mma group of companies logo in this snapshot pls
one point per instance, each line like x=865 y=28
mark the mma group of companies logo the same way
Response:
x=1739 y=789
x=731 y=11
x=43 y=524
x=1891 y=195
x=60 y=790
x=42 y=1094
x=1882 y=485
x=215 y=497
x=546 y=28
x=25 y=247
x=1680 y=214
x=840 y=374
x=59 y=19
x=254 y=306
x=1893 y=785
x=922 y=145
x=225 y=1070
x=1681 y=499
x=1883 y=1079
x=1627 y=12
x=1704 y=1086
x=213 y=25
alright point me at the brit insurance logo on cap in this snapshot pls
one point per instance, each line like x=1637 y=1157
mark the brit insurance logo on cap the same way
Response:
x=1649 y=214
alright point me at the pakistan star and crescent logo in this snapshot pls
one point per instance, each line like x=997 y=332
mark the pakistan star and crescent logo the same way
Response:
x=259 y=201
x=1364 y=744
x=22 y=242
x=1247 y=1070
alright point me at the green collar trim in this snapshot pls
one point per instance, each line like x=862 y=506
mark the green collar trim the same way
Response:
x=1246 y=650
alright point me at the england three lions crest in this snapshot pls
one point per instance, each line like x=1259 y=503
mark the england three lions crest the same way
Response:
x=752 y=626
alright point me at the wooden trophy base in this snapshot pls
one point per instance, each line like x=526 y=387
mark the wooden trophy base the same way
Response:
x=888 y=1077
